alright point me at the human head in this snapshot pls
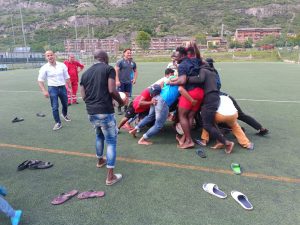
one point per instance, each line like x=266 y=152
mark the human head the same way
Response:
x=127 y=53
x=71 y=58
x=180 y=53
x=101 y=56
x=173 y=56
x=155 y=90
x=50 y=56
x=210 y=62
x=169 y=72
x=190 y=52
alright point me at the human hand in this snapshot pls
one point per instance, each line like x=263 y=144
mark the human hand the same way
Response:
x=118 y=84
x=153 y=101
x=194 y=102
x=46 y=94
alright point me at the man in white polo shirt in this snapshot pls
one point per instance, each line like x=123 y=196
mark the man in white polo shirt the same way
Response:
x=56 y=74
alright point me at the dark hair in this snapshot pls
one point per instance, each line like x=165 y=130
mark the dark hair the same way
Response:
x=190 y=50
x=182 y=51
x=101 y=56
x=168 y=71
x=126 y=49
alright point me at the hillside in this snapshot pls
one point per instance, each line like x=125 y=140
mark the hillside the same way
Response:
x=49 y=22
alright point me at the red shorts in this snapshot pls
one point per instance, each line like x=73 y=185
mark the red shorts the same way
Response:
x=197 y=94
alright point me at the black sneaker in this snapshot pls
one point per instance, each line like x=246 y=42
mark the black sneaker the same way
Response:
x=263 y=132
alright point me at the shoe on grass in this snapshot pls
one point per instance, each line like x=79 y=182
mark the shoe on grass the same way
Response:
x=66 y=118
x=117 y=178
x=263 y=132
x=57 y=126
x=17 y=217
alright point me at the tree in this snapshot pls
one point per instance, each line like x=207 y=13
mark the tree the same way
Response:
x=248 y=43
x=143 y=40
x=200 y=38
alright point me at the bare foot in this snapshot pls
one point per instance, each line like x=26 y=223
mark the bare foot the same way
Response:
x=180 y=140
x=218 y=145
x=229 y=147
x=142 y=141
x=186 y=145
x=133 y=132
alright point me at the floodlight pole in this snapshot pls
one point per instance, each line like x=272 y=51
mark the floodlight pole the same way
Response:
x=22 y=24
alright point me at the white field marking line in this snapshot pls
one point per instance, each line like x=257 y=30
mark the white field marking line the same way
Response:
x=267 y=100
x=20 y=91
x=240 y=99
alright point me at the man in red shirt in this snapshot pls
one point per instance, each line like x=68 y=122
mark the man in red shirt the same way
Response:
x=74 y=67
x=140 y=105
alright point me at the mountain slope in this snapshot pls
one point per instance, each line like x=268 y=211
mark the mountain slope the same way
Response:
x=49 y=22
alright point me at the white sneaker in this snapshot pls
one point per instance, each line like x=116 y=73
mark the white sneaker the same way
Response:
x=57 y=126
x=66 y=118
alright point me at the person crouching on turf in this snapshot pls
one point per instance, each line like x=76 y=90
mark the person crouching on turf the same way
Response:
x=228 y=114
x=140 y=106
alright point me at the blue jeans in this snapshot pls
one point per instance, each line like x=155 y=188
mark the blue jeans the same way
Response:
x=61 y=93
x=6 y=208
x=106 y=129
x=159 y=113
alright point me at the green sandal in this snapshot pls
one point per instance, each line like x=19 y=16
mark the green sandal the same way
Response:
x=236 y=168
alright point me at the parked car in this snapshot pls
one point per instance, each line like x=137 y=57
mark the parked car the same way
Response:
x=3 y=67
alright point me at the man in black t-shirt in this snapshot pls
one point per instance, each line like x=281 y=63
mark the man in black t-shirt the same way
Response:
x=98 y=88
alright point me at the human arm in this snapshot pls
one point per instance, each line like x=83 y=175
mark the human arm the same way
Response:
x=80 y=66
x=185 y=94
x=143 y=102
x=82 y=92
x=43 y=89
x=117 y=69
x=41 y=81
x=113 y=91
x=135 y=73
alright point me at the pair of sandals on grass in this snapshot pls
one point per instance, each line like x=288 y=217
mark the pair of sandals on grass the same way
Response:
x=239 y=197
x=34 y=164
x=83 y=195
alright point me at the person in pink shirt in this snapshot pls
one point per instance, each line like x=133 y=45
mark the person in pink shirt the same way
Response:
x=74 y=67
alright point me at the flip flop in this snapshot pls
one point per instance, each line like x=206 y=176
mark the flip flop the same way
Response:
x=242 y=200
x=40 y=115
x=23 y=165
x=17 y=119
x=236 y=168
x=64 y=197
x=201 y=153
x=200 y=142
x=213 y=189
x=91 y=194
x=40 y=165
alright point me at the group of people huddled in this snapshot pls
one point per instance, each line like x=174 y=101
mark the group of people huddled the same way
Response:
x=190 y=89
x=188 y=92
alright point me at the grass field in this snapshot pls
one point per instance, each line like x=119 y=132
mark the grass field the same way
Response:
x=162 y=184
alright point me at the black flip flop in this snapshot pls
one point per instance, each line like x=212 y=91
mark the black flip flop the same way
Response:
x=40 y=115
x=23 y=165
x=40 y=165
x=200 y=152
x=17 y=119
